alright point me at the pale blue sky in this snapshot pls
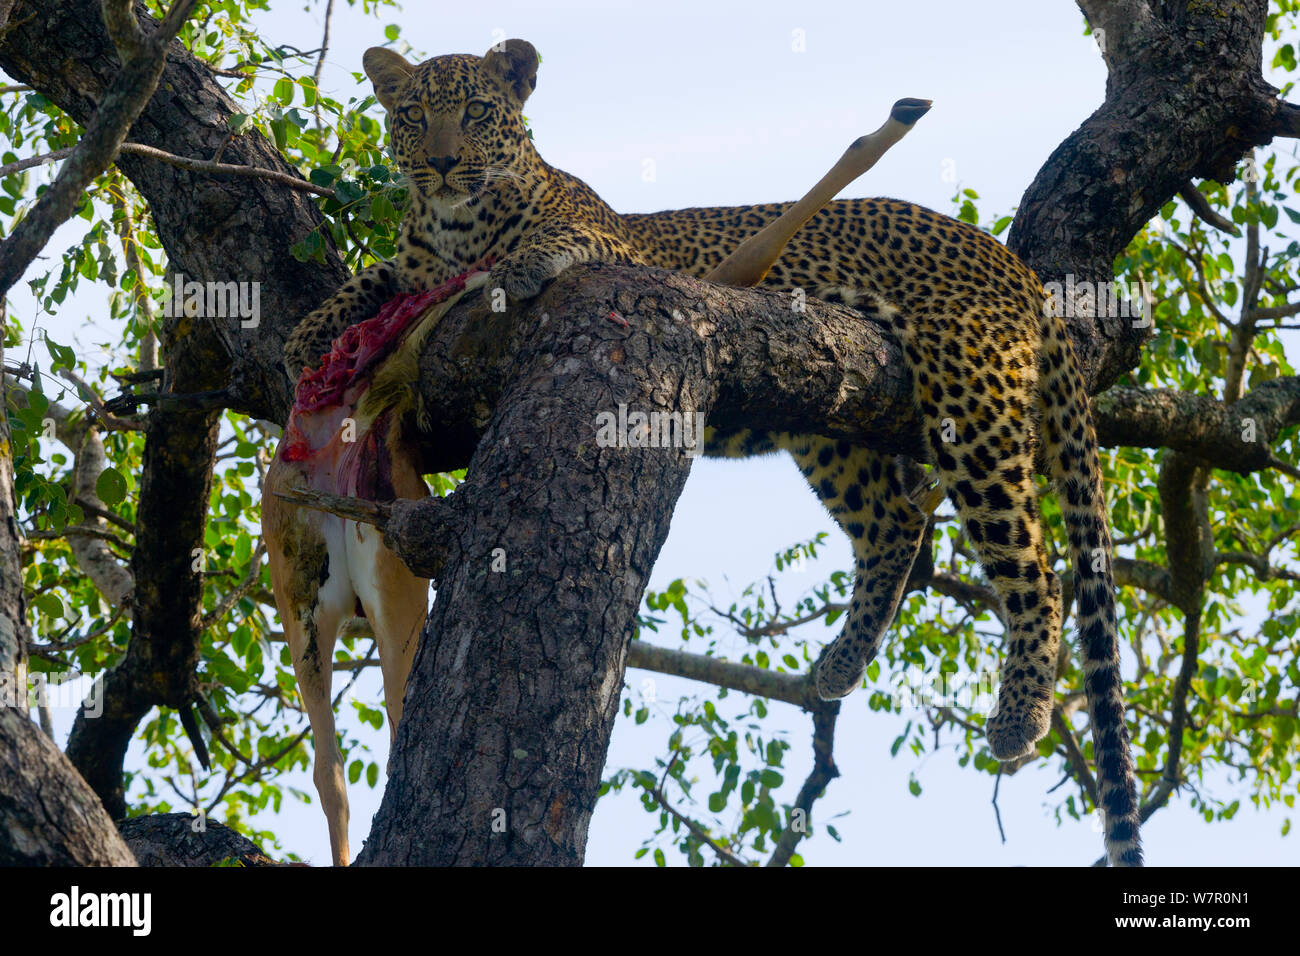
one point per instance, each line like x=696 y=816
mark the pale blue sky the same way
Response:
x=717 y=98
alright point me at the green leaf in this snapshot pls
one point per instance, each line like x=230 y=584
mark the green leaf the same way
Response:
x=62 y=355
x=283 y=90
x=348 y=191
x=110 y=486
x=392 y=31
x=321 y=177
x=49 y=605
x=382 y=208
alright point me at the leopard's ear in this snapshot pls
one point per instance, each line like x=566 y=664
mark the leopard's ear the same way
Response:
x=512 y=65
x=388 y=71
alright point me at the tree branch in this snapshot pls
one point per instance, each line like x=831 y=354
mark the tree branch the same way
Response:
x=96 y=560
x=142 y=65
x=696 y=830
x=822 y=773
x=1197 y=202
x=1185 y=99
x=1233 y=437
x=794 y=689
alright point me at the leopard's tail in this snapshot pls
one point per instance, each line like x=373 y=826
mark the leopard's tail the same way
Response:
x=1072 y=457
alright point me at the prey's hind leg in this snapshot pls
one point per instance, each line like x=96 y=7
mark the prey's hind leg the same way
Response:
x=314 y=597
x=395 y=602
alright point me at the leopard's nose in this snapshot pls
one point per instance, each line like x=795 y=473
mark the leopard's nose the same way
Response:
x=442 y=164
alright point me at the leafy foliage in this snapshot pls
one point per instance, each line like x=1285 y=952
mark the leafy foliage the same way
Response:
x=721 y=765
x=245 y=668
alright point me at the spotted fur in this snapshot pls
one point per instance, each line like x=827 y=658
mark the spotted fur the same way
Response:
x=993 y=371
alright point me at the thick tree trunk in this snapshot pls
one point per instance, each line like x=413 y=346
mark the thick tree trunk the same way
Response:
x=48 y=816
x=516 y=685
x=1185 y=100
x=206 y=225
x=517 y=682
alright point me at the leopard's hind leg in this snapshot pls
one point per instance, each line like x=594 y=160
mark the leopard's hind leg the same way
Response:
x=975 y=379
x=864 y=492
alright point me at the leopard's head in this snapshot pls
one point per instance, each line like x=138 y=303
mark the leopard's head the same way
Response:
x=456 y=121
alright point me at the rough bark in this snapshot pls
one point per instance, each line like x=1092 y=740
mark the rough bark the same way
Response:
x=826 y=370
x=517 y=681
x=48 y=816
x=513 y=692
x=1233 y=437
x=1185 y=99
x=170 y=839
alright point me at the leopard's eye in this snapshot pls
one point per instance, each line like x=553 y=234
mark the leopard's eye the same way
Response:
x=412 y=114
x=476 y=110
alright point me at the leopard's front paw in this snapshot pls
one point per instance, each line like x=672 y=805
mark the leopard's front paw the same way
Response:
x=305 y=348
x=524 y=277
x=516 y=280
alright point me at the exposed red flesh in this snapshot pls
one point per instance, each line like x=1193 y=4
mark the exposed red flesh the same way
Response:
x=336 y=385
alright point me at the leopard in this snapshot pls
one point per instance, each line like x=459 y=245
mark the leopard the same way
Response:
x=995 y=379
